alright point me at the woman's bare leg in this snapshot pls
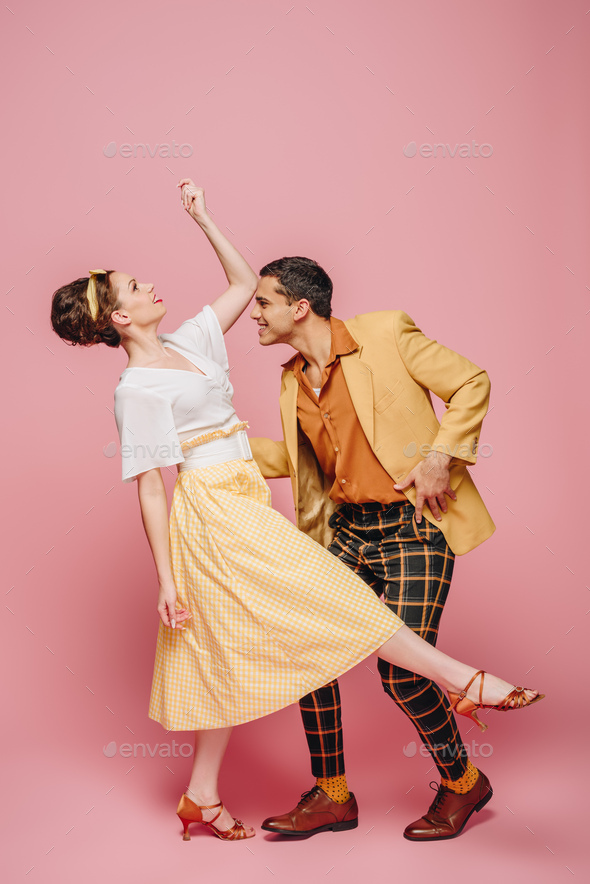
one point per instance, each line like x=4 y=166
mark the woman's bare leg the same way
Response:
x=408 y=650
x=210 y=748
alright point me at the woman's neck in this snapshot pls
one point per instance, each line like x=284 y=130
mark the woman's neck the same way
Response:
x=144 y=348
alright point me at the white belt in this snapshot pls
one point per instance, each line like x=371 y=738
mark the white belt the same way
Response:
x=217 y=451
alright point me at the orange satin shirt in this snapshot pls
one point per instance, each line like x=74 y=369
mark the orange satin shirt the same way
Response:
x=333 y=428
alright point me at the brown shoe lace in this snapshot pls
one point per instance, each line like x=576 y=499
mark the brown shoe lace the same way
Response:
x=307 y=796
x=441 y=794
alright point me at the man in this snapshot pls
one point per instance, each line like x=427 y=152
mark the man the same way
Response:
x=386 y=488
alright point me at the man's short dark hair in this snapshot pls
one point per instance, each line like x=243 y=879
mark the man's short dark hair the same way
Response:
x=302 y=278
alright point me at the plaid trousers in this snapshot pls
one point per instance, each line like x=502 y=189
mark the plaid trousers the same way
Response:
x=411 y=565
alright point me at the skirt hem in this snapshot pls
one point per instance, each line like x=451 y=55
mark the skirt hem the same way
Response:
x=284 y=702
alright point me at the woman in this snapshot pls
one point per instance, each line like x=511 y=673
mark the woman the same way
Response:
x=254 y=614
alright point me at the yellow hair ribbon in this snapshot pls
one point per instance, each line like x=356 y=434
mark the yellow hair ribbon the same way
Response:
x=91 y=292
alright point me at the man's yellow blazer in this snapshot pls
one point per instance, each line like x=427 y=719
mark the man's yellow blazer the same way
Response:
x=390 y=375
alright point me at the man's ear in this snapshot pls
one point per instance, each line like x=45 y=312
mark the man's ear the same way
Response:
x=302 y=309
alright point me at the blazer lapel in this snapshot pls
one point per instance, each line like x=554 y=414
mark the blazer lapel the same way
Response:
x=288 y=405
x=359 y=380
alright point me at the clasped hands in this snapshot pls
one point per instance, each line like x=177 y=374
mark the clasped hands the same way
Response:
x=431 y=479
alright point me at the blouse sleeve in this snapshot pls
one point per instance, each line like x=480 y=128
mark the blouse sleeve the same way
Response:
x=146 y=431
x=205 y=336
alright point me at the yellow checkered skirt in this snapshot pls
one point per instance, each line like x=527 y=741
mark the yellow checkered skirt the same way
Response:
x=275 y=615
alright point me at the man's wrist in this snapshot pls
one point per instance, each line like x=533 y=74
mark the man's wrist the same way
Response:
x=440 y=456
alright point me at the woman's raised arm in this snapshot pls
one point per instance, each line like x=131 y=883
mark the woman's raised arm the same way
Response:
x=241 y=278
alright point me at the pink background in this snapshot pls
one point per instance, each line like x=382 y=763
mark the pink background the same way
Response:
x=298 y=116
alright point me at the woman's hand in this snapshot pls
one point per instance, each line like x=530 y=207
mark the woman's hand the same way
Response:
x=193 y=199
x=170 y=615
x=240 y=276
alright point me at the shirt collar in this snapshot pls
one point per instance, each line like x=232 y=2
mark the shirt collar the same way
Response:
x=343 y=343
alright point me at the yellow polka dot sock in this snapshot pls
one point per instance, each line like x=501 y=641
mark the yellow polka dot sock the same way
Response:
x=465 y=783
x=335 y=788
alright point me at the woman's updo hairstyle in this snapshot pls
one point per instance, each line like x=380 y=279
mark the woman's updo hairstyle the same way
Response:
x=72 y=320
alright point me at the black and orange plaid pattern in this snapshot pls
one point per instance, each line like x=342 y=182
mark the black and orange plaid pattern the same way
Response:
x=411 y=565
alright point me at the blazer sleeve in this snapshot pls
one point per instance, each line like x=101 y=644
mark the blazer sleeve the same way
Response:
x=146 y=431
x=462 y=385
x=271 y=457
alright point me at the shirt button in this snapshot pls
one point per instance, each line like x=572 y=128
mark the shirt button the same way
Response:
x=326 y=415
x=344 y=481
x=336 y=448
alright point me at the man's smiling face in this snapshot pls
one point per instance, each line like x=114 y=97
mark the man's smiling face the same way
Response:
x=272 y=313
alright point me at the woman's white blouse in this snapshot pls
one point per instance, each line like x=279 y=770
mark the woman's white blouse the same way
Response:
x=158 y=408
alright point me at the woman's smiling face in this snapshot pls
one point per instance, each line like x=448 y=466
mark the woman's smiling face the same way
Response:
x=138 y=301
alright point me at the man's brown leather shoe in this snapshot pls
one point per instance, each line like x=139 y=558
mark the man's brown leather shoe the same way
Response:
x=316 y=812
x=449 y=812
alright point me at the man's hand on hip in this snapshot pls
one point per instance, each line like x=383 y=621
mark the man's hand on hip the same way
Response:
x=431 y=478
